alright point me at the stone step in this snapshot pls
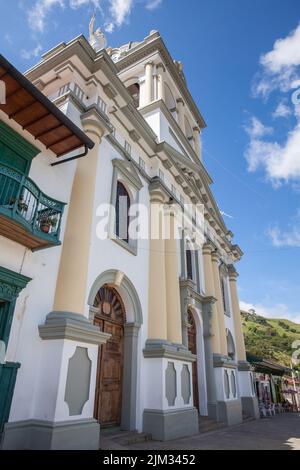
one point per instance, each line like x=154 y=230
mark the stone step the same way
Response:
x=209 y=425
x=125 y=438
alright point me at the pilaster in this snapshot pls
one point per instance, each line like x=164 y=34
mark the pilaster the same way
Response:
x=157 y=266
x=174 y=331
x=219 y=304
x=210 y=291
x=70 y=293
x=239 y=336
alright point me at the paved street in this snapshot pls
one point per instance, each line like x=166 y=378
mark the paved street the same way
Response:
x=278 y=433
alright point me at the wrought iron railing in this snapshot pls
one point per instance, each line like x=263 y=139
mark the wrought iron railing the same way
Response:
x=23 y=201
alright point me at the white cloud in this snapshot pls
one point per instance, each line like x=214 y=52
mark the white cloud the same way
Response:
x=115 y=14
x=257 y=129
x=152 y=4
x=280 y=311
x=280 y=72
x=284 y=55
x=120 y=10
x=280 y=66
x=285 y=238
x=281 y=162
x=27 y=55
x=109 y=27
x=282 y=111
x=80 y=3
x=37 y=15
x=8 y=39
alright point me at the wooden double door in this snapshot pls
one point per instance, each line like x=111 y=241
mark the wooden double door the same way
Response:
x=111 y=318
x=192 y=344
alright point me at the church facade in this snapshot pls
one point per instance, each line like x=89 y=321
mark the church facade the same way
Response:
x=107 y=328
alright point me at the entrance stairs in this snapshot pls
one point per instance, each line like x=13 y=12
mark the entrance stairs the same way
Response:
x=115 y=439
x=209 y=425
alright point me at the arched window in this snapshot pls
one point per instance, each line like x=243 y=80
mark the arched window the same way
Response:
x=226 y=385
x=223 y=287
x=230 y=346
x=134 y=91
x=170 y=100
x=189 y=264
x=188 y=131
x=122 y=212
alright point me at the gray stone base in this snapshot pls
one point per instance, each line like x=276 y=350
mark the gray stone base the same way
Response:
x=230 y=412
x=250 y=407
x=168 y=425
x=212 y=410
x=44 y=435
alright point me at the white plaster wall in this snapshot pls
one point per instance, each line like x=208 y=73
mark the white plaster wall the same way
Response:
x=107 y=255
x=36 y=301
x=155 y=385
x=220 y=385
x=154 y=120
x=244 y=380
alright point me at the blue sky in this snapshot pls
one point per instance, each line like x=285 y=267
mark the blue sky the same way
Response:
x=242 y=63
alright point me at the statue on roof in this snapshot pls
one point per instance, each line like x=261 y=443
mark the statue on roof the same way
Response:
x=97 y=38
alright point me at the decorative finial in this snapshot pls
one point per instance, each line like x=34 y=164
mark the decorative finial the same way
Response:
x=97 y=38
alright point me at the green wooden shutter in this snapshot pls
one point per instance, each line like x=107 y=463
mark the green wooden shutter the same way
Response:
x=15 y=151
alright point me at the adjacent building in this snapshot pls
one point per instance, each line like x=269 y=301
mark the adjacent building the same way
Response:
x=142 y=333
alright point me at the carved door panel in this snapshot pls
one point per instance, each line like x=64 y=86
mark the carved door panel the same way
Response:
x=111 y=320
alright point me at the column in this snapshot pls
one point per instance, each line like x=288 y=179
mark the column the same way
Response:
x=149 y=83
x=172 y=281
x=239 y=336
x=210 y=292
x=70 y=293
x=160 y=82
x=180 y=108
x=208 y=313
x=197 y=134
x=157 y=277
x=219 y=304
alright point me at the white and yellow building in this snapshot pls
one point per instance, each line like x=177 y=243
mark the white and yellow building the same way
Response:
x=144 y=334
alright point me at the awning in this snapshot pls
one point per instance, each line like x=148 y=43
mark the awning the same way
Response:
x=38 y=115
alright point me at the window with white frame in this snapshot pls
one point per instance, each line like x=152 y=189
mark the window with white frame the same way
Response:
x=225 y=289
x=126 y=186
x=127 y=147
x=64 y=89
x=142 y=164
x=230 y=346
x=122 y=205
x=189 y=264
x=102 y=105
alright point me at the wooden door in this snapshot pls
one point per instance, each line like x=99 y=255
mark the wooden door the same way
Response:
x=192 y=340
x=111 y=319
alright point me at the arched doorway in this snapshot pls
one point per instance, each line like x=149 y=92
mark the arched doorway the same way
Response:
x=192 y=345
x=111 y=318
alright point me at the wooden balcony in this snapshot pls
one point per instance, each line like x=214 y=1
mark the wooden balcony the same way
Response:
x=27 y=215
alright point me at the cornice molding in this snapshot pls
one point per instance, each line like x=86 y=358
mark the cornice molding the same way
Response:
x=162 y=349
x=11 y=284
x=73 y=327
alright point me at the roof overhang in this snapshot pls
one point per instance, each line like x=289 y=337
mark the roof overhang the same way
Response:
x=32 y=110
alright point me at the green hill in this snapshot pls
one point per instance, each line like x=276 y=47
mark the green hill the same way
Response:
x=270 y=339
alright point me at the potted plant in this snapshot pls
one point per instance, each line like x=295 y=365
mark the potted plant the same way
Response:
x=46 y=223
x=22 y=206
